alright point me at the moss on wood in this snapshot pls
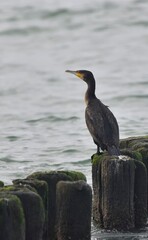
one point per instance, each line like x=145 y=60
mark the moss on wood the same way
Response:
x=12 y=220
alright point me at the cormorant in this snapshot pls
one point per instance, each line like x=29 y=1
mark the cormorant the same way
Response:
x=100 y=121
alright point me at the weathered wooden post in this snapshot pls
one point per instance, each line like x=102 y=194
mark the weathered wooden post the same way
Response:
x=117 y=178
x=117 y=192
x=52 y=178
x=73 y=210
x=12 y=220
x=41 y=188
x=33 y=210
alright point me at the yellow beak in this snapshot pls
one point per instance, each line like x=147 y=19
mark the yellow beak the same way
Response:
x=77 y=73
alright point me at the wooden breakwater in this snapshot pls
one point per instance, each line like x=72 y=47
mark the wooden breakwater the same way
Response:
x=46 y=205
x=56 y=205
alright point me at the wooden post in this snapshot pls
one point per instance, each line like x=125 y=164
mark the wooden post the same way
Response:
x=117 y=192
x=41 y=188
x=12 y=221
x=33 y=210
x=117 y=178
x=73 y=216
x=52 y=178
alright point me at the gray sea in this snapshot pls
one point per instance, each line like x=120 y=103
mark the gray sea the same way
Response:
x=42 y=125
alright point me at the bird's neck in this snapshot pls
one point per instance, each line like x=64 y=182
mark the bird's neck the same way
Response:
x=90 y=93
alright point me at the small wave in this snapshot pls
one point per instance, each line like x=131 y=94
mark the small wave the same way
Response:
x=70 y=151
x=7 y=159
x=139 y=23
x=35 y=120
x=12 y=138
x=136 y=96
x=59 y=119
x=101 y=28
x=83 y=162
x=141 y=83
x=9 y=92
x=52 y=119
x=28 y=14
x=53 y=14
x=23 y=31
x=67 y=163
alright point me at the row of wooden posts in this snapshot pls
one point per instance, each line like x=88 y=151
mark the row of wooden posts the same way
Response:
x=57 y=205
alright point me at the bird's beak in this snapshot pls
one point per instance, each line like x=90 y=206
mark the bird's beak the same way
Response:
x=73 y=72
x=77 y=73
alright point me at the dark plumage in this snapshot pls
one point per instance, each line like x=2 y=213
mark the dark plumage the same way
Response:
x=100 y=121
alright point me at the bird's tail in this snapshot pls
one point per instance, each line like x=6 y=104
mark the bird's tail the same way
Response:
x=113 y=150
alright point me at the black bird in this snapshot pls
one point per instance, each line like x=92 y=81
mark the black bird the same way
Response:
x=100 y=121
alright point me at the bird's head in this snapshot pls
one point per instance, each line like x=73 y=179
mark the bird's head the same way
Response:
x=83 y=74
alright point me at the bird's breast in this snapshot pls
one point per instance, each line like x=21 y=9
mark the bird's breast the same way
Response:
x=86 y=99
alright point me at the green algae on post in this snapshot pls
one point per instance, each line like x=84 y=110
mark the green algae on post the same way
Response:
x=119 y=201
x=75 y=176
x=52 y=178
x=33 y=209
x=1 y=184
x=12 y=220
x=41 y=188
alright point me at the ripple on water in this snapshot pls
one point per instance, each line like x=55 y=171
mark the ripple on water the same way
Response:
x=8 y=159
x=52 y=118
x=12 y=138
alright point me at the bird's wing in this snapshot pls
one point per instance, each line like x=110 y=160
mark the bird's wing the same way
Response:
x=102 y=124
x=94 y=122
x=111 y=126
